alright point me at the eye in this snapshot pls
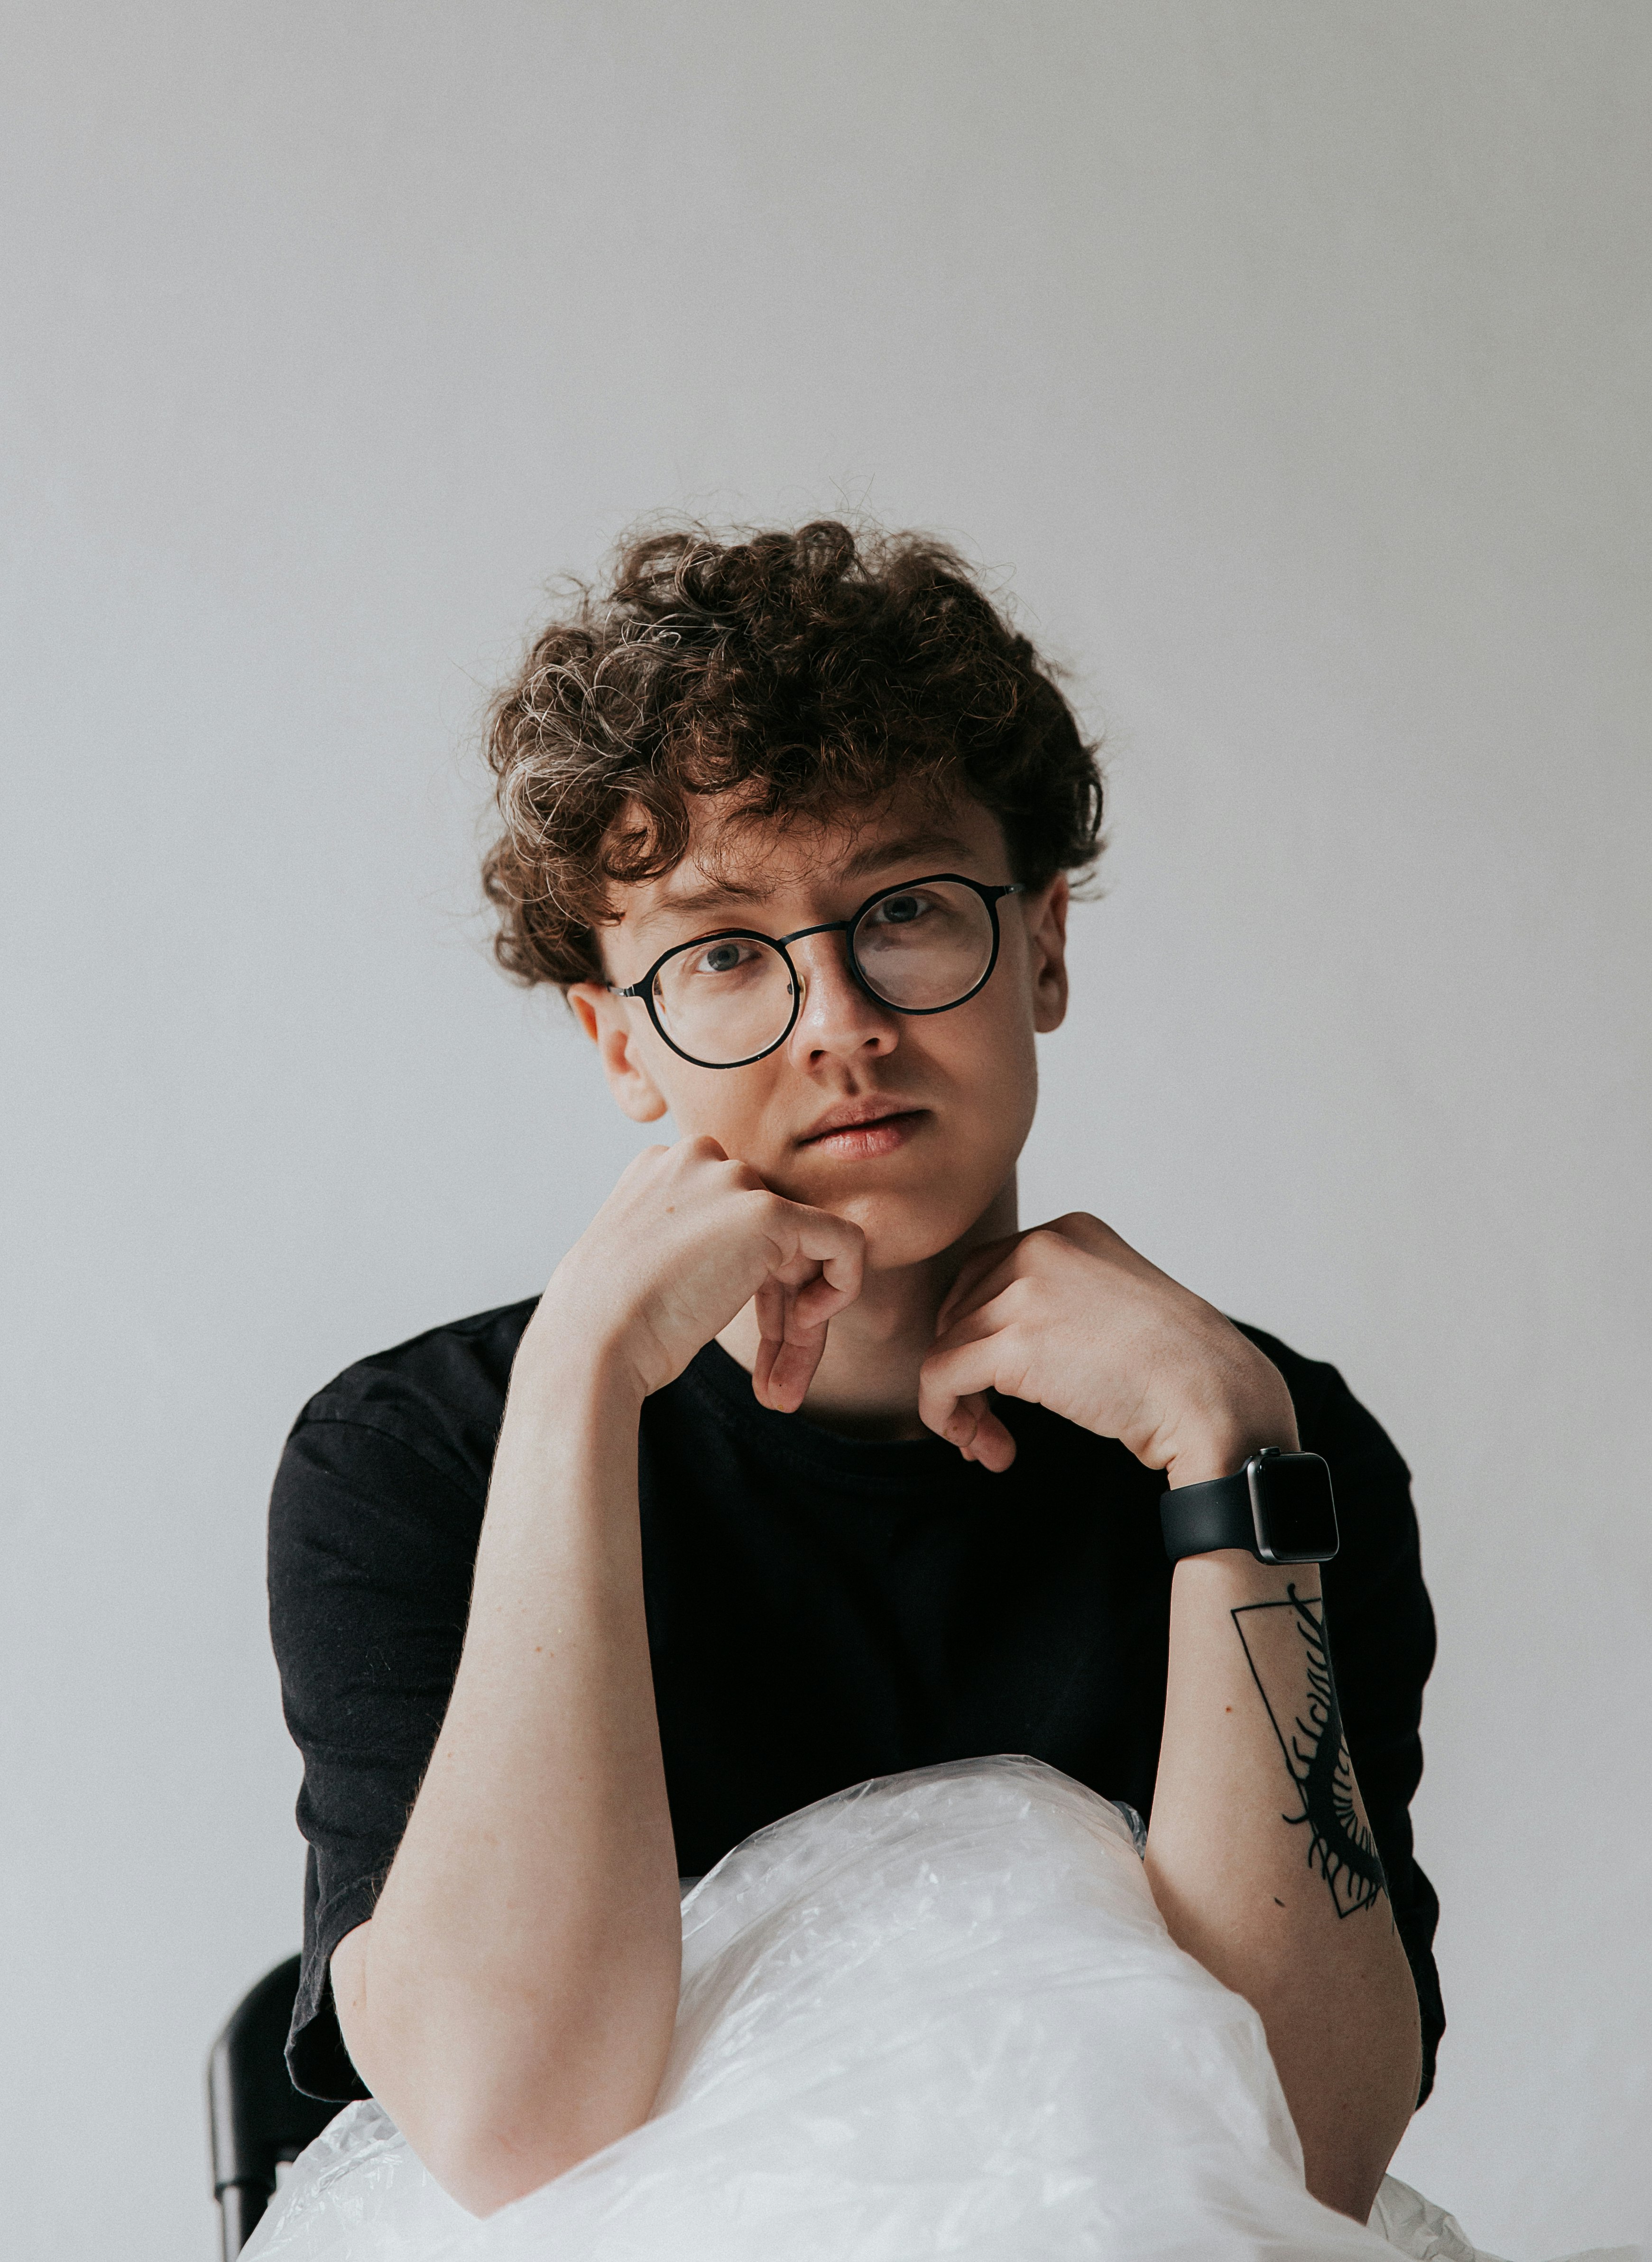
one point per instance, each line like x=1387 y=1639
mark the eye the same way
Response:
x=727 y=956
x=902 y=910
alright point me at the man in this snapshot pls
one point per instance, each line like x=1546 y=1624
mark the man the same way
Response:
x=809 y=1466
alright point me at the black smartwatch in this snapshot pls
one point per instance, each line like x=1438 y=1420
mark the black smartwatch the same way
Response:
x=1278 y=1508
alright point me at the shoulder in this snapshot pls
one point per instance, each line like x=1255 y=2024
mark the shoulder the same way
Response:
x=440 y=1395
x=1375 y=1583
x=1330 y=1418
x=384 y=1476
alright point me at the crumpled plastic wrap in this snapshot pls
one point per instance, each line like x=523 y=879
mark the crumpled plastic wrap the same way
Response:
x=935 y=2015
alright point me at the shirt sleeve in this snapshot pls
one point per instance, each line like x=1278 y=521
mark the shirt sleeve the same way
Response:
x=373 y=1529
x=1381 y=1627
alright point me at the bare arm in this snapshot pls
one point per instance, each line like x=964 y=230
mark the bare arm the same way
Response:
x=1260 y=1854
x=1261 y=1859
x=512 y=1999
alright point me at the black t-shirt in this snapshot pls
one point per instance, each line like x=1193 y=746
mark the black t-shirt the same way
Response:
x=820 y=1610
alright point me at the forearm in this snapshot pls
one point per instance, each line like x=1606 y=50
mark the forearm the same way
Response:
x=512 y=2000
x=1262 y=1859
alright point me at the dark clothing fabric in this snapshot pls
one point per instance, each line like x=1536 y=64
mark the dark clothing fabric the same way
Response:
x=820 y=1610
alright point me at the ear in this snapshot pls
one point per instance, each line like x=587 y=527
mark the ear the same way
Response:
x=1046 y=954
x=608 y=1022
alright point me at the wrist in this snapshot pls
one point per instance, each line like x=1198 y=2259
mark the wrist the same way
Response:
x=565 y=1368
x=1228 y=1576
x=1222 y=1449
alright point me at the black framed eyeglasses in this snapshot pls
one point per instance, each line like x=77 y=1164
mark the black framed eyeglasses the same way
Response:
x=727 y=999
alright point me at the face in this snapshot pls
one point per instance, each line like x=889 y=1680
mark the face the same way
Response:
x=909 y=1125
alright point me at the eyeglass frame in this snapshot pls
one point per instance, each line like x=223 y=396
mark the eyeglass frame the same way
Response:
x=990 y=895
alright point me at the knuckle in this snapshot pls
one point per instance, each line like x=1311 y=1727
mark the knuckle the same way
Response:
x=768 y=1218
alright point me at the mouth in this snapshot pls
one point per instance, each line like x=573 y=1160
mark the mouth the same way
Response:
x=864 y=1128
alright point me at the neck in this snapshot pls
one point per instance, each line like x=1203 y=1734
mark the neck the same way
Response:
x=866 y=1384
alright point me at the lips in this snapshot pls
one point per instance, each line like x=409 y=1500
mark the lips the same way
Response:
x=864 y=1126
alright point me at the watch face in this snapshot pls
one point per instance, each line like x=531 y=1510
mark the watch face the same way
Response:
x=1296 y=1515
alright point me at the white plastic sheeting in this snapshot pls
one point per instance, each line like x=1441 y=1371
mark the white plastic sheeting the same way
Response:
x=936 y=2015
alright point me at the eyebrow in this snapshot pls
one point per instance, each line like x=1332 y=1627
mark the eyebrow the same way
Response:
x=911 y=847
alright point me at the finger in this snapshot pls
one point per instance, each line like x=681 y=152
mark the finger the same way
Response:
x=986 y=1272
x=988 y=1317
x=794 y=1369
x=952 y=1387
x=974 y=1268
x=1095 y=1234
x=789 y=1348
x=816 y=1265
x=769 y=1309
x=1096 y=1238
x=700 y=1147
x=979 y=1434
x=821 y=1299
x=970 y=1423
x=997 y=1362
x=822 y=1254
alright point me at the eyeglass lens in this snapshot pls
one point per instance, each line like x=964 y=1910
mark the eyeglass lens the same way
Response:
x=920 y=949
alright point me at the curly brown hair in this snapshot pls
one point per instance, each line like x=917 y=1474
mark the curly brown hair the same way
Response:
x=803 y=673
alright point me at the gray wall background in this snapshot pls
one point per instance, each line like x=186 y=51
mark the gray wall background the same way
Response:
x=1287 y=362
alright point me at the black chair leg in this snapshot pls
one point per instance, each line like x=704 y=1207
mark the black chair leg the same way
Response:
x=243 y=2207
x=257 y=2118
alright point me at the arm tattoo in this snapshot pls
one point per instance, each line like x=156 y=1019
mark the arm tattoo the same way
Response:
x=1340 y=1846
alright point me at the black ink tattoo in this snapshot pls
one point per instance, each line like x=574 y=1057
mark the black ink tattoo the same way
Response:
x=1340 y=1846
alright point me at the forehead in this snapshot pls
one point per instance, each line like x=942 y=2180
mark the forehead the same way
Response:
x=736 y=861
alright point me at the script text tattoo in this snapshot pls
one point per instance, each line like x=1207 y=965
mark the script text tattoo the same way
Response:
x=1307 y=1721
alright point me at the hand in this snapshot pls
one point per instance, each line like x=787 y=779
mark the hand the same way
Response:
x=1071 y=1317
x=684 y=1242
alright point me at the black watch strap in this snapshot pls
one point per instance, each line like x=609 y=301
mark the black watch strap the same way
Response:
x=1279 y=1508
x=1197 y=1519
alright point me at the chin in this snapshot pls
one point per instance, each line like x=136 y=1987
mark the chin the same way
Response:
x=904 y=1229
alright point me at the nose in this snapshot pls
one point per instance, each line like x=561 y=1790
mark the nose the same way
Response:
x=839 y=1019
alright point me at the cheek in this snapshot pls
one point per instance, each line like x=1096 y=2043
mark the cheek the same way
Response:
x=991 y=1058
x=705 y=1103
